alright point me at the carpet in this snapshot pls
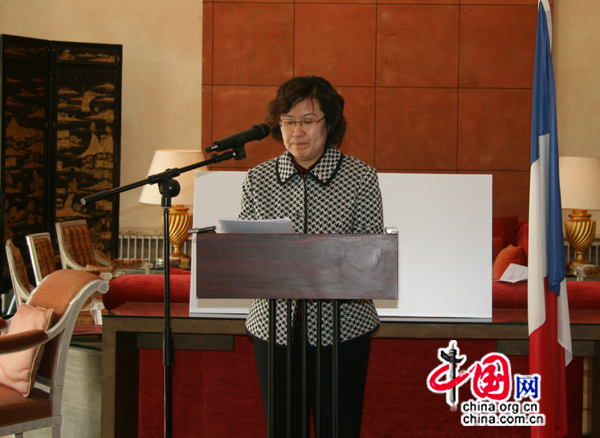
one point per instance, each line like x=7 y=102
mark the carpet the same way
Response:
x=216 y=393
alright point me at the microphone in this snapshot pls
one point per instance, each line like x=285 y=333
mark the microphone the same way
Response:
x=257 y=132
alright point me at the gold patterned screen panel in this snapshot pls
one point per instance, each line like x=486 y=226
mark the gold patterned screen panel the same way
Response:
x=87 y=135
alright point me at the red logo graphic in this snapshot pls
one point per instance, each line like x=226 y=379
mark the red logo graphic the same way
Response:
x=490 y=377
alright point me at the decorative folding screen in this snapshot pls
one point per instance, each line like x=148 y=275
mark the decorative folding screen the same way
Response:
x=61 y=130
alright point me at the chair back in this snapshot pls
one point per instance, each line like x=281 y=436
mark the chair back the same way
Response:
x=42 y=255
x=75 y=243
x=18 y=273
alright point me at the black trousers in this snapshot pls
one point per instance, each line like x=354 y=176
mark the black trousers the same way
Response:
x=352 y=373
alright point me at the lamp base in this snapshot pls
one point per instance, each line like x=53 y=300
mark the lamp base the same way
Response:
x=183 y=260
x=580 y=231
x=180 y=222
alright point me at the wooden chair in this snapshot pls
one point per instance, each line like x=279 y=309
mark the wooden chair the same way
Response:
x=77 y=252
x=18 y=275
x=63 y=291
x=76 y=249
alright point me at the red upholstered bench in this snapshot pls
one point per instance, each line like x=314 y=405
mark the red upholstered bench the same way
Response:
x=583 y=295
x=142 y=288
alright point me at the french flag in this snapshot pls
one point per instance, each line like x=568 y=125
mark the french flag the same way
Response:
x=548 y=308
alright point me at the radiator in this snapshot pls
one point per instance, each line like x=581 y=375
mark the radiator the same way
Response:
x=146 y=245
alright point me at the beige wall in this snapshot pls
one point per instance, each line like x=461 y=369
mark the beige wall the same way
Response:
x=577 y=68
x=162 y=74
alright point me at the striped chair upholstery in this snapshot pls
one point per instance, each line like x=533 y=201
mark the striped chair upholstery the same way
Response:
x=79 y=244
x=18 y=274
x=45 y=256
x=20 y=268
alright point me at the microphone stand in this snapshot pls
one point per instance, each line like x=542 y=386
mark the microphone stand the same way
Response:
x=169 y=188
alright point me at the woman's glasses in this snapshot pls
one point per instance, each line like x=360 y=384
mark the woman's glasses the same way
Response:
x=306 y=123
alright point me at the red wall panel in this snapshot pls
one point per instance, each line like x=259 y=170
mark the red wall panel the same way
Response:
x=430 y=86
x=417 y=46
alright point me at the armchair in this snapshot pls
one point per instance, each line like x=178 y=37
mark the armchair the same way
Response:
x=61 y=296
x=77 y=252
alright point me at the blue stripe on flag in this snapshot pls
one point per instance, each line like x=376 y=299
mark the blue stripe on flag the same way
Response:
x=544 y=122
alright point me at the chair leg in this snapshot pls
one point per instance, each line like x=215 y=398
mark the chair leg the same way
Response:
x=95 y=308
x=97 y=316
x=55 y=431
x=96 y=311
x=146 y=266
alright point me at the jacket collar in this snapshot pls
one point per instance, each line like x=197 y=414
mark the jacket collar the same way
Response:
x=323 y=172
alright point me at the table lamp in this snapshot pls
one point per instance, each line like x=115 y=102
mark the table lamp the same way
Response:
x=580 y=191
x=180 y=220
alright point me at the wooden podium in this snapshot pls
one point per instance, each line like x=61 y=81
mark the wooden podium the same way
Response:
x=303 y=267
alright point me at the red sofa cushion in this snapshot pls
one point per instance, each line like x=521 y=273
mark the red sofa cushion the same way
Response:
x=510 y=254
x=497 y=243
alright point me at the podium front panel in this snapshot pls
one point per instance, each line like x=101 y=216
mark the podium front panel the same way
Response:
x=301 y=266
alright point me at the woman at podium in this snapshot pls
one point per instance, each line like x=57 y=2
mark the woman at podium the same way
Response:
x=321 y=190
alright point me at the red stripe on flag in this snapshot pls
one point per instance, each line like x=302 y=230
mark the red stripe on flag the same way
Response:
x=547 y=358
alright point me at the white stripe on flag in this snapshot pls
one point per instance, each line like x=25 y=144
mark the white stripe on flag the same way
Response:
x=537 y=267
x=564 y=323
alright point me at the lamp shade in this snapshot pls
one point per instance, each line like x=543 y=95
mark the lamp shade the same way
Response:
x=579 y=183
x=170 y=159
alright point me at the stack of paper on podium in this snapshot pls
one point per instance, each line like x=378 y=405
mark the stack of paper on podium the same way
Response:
x=444 y=227
x=274 y=226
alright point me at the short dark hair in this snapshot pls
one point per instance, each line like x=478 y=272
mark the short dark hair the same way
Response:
x=301 y=88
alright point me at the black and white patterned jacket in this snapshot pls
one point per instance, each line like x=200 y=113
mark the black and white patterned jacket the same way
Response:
x=340 y=195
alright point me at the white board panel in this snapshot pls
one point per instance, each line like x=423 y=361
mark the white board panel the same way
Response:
x=217 y=195
x=444 y=227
